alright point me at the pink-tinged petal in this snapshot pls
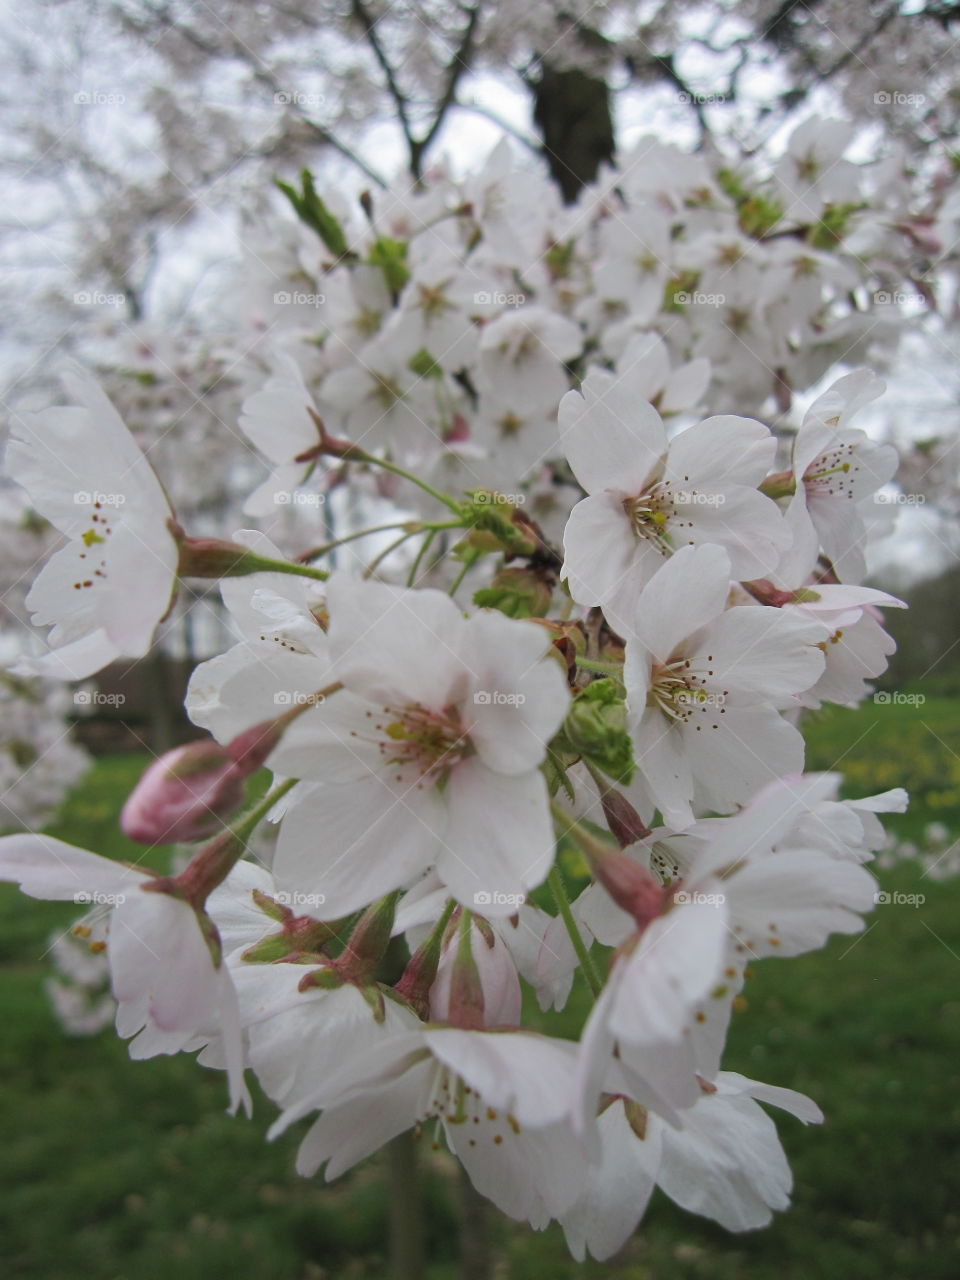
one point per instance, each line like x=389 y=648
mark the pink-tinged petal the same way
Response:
x=516 y=701
x=60 y=872
x=659 y=749
x=721 y=451
x=338 y=741
x=356 y=841
x=686 y=385
x=156 y=946
x=751 y=747
x=497 y=974
x=688 y=591
x=500 y=842
x=133 y=1019
x=675 y=963
x=532 y=1175
x=612 y=438
x=747 y=525
x=845 y=397
x=510 y=726
x=603 y=559
x=797 y=1104
x=770 y=816
x=528 y=1076
x=759 y=652
x=618 y=1188
x=72 y=661
x=355 y=1129
x=799 y=557
x=390 y=643
x=726 y=1163
x=791 y=902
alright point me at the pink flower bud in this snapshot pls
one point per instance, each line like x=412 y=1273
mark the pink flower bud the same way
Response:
x=488 y=995
x=185 y=795
x=631 y=887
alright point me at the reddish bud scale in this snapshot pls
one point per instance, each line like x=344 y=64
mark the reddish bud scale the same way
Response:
x=213 y=558
x=421 y=971
x=250 y=749
x=368 y=942
x=622 y=818
x=631 y=887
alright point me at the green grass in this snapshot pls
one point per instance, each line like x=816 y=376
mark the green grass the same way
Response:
x=117 y=1170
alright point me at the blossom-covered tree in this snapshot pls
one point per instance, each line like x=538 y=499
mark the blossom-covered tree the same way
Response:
x=554 y=543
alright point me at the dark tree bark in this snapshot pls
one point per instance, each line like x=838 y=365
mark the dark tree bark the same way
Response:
x=572 y=112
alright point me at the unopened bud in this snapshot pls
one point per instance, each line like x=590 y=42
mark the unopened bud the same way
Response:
x=596 y=728
x=631 y=886
x=185 y=795
x=215 y=558
x=477 y=984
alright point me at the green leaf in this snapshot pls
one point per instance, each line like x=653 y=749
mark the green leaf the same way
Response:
x=311 y=210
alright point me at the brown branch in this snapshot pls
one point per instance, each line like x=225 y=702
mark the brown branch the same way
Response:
x=458 y=65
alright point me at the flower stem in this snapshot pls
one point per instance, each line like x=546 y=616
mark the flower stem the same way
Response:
x=460 y=577
x=450 y=503
x=316 y=552
x=264 y=564
x=257 y=812
x=411 y=526
x=388 y=550
x=428 y=540
x=559 y=891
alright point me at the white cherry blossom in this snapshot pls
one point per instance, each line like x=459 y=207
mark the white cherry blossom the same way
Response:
x=705 y=685
x=163 y=976
x=429 y=757
x=105 y=591
x=725 y=1162
x=647 y=497
x=501 y=1100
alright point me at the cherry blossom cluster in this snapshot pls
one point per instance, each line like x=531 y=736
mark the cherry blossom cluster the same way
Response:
x=585 y=770
x=442 y=322
x=445 y=322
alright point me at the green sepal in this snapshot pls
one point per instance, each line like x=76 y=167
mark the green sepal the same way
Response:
x=831 y=227
x=391 y=257
x=596 y=728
